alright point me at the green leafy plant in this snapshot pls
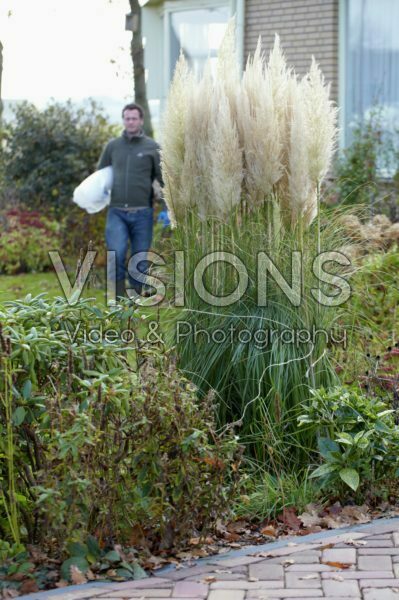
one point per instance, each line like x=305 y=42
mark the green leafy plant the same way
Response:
x=108 y=563
x=107 y=437
x=358 y=440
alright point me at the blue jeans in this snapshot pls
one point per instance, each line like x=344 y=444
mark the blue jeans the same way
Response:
x=122 y=227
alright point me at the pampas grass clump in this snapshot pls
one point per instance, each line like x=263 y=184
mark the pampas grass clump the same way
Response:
x=243 y=161
x=266 y=134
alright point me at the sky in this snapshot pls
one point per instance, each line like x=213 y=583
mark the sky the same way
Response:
x=65 y=49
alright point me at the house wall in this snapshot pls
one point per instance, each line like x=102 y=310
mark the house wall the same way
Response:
x=305 y=27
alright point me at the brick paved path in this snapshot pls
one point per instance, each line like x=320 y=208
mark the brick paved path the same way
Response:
x=297 y=569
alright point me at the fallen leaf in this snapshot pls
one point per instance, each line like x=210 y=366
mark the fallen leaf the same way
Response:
x=237 y=526
x=155 y=562
x=219 y=571
x=209 y=579
x=137 y=537
x=269 y=530
x=61 y=583
x=357 y=514
x=77 y=577
x=332 y=522
x=356 y=543
x=194 y=541
x=220 y=527
x=201 y=552
x=29 y=586
x=7 y=593
x=327 y=546
x=310 y=576
x=310 y=519
x=288 y=561
x=337 y=578
x=253 y=579
x=290 y=518
x=232 y=537
x=111 y=573
x=339 y=565
x=335 y=509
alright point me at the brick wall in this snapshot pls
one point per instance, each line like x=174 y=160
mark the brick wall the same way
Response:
x=305 y=27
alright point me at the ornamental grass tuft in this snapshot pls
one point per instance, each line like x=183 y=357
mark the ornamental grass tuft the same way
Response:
x=243 y=159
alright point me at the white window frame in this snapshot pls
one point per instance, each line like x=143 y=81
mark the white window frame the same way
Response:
x=237 y=7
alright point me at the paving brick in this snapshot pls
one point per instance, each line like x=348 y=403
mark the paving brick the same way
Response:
x=184 y=572
x=77 y=594
x=374 y=563
x=288 y=550
x=375 y=551
x=382 y=528
x=244 y=584
x=384 y=536
x=266 y=570
x=395 y=537
x=226 y=563
x=307 y=579
x=343 y=555
x=371 y=543
x=294 y=593
x=227 y=595
x=379 y=583
x=380 y=594
x=341 y=538
x=218 y=577
x=298 y=558
x=190 y=589
x=147 y=593
x=378 y=544
x=359 y=575
x=150 y=582
x=315 y=567
x=348 y=588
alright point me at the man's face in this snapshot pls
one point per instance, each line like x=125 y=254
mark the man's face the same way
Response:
x=132 y=121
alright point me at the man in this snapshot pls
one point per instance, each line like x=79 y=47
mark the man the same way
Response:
x=136 y=163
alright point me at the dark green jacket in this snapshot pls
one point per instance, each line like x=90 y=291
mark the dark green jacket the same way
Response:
x=136 y=163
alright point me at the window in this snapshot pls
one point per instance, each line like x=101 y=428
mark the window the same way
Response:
x=198 y=33
x=372 y=62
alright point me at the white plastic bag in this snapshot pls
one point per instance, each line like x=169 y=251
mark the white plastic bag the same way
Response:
x=94 y=193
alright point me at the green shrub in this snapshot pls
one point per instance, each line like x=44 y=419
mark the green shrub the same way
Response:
x=102 y=438
x=49 y=152
x=25 y=241
x=357 y=438
x=371 y=156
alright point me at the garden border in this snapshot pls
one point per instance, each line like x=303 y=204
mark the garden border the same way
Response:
x=314 y=538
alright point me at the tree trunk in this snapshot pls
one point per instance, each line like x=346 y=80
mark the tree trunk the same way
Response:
x=137 y=54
